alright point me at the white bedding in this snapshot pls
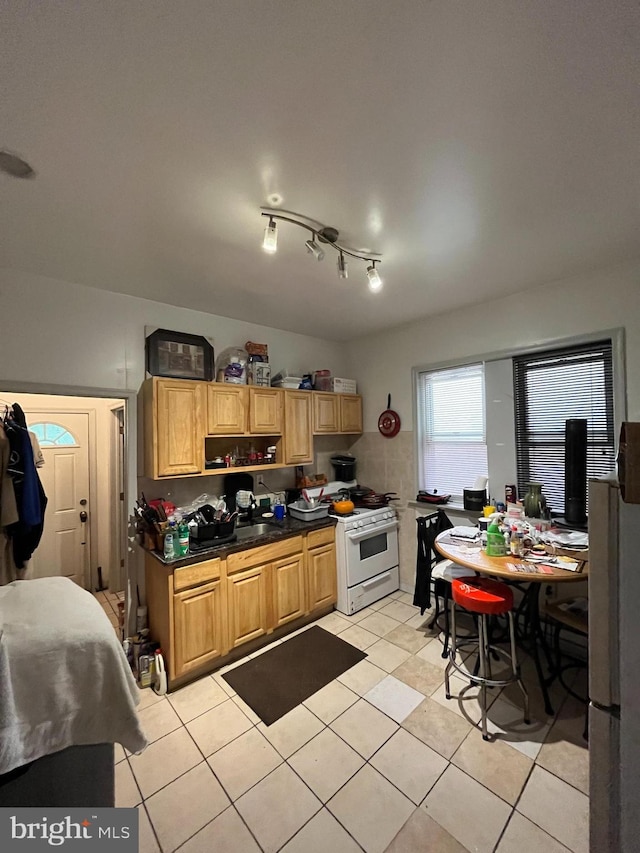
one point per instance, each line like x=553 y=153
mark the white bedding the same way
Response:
x=64 y=678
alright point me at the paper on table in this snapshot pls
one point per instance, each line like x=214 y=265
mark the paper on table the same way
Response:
x=464 y=532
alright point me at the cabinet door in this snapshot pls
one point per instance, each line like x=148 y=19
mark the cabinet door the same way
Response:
x=326 y=412
x=350 y=413
x=179 y=436
x=265 y=411
x=298 y=438
x=321 y=564
x=289 y=600
x=198 y=627
x=247 y=602
x=227 y=407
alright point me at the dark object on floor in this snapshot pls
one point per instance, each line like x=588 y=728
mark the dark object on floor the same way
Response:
x=275 y=682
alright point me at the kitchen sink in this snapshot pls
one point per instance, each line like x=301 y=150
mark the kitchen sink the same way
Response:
x=252 y=530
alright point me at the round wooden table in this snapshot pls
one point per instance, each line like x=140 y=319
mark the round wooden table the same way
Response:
x=472 y=556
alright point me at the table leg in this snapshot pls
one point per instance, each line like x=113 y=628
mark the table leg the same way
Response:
x=537 y=637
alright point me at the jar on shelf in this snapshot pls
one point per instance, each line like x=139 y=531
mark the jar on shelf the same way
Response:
x=534 y=502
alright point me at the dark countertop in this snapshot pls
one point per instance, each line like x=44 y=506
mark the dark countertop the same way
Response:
x=280 y=530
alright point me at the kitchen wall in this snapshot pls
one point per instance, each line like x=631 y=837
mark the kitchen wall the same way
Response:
x=382 y=364
x=57 y=336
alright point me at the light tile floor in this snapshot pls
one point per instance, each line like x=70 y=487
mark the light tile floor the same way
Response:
x=378 y=760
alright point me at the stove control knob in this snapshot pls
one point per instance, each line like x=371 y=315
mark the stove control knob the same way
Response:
x=360 y=523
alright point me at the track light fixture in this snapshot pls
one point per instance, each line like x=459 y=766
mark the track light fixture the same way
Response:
x=326 y=235
x=270 y=242
x=375 y=282
x=315 y=250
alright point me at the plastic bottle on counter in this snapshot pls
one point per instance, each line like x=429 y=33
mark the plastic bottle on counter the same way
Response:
x=183 y=537
x=170 y=542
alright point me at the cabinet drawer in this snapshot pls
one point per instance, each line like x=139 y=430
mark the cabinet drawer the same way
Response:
x=193 y=575
x=263 y=554
x=324 y=536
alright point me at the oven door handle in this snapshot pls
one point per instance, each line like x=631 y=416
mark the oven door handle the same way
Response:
x=372 y=530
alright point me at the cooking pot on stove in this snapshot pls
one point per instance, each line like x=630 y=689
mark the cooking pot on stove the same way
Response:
x=343 y=504
x=374 y=500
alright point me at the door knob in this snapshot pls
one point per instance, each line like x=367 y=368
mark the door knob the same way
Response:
x=83 y=516
x=83 y=502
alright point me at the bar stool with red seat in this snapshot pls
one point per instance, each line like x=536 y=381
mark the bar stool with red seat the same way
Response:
x=484 y=597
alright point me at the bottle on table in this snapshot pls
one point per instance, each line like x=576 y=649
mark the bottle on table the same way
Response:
x=183 y=538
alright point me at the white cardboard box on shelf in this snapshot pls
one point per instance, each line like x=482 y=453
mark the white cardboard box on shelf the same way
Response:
x=344 y=386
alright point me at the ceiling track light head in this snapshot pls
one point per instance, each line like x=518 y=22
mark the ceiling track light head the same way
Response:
x=375 y=282
x=323 y=234
x=314 y=249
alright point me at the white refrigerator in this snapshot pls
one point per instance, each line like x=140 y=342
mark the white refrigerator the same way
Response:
x=614 y=669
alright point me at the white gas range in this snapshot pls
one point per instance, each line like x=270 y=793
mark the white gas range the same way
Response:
x=366 y=553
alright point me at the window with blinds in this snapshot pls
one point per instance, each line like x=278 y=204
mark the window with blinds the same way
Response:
x=451 y=411
x=550 y=388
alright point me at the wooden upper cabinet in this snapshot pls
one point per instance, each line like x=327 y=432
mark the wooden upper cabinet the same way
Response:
x=227 y=409
x=350 y=413
x=298 y=435
x=173 y=437
x=326 y=412
x=265 y=410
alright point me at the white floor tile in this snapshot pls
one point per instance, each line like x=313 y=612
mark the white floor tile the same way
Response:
x=371 y=809
x=481 y=816
x=197 y=698
x=147 y=842
x=277 y=807
x=292 y=731
x=182 y=808
x=409 y=764
x=379 y=624
x=398 y=610
x=243 y=762
x=521 y=835
x=359 y=637
x=386 y=655
x=362 y=677
x=158 y=720
x=164 y=761
x=364 y=728
x=334 y=622
x=226 y=834
x=127 y=793
x=394 y=698
x=505 y=721
x=218 y=727
x=331 y=701
x=323 y=833
x=557 y=808
x=325 y=764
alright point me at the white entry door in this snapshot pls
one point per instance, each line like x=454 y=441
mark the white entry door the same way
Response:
x=64 y=548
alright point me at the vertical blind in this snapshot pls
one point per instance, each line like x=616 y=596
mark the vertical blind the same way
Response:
x=550 y=388
x=452 y=421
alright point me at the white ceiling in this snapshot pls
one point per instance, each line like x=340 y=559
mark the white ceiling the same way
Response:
x=482 y=146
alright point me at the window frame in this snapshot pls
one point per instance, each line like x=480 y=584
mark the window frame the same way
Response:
x=617 y=337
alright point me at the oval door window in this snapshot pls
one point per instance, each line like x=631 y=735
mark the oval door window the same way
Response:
x=53 y=435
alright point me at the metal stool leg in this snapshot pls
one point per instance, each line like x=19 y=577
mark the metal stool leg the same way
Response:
x=482 y=655
x=515 y=668
x=452 y=649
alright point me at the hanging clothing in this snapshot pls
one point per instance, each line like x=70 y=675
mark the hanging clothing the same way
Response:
x=25 y=532
x=38 y=457
x=8 y=512
x=429 y=526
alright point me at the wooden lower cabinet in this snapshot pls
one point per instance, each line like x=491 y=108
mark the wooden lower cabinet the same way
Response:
x=200 y=613
x=322 y=576
x=247 y=605
x=288 y=589
x=198 y=626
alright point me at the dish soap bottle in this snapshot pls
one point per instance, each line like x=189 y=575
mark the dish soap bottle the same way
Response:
x=183 y=538
x=496 y=545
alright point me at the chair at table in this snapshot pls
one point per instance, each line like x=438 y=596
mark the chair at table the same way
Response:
x=568 y=614
x=434 y=572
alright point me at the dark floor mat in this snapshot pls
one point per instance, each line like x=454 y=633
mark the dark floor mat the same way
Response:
x=276 y=681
